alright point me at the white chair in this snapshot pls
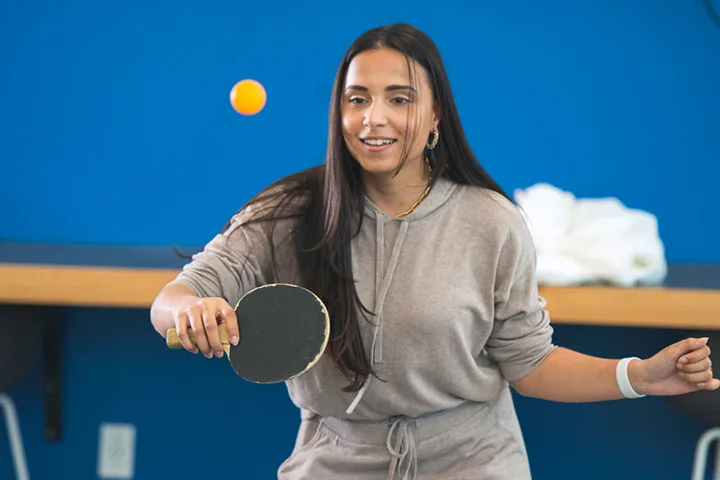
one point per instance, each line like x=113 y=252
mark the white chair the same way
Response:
x=701 y=454
x=14 y=437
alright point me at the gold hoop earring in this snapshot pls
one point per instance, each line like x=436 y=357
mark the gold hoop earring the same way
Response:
x=427 y=162
x=434 y=142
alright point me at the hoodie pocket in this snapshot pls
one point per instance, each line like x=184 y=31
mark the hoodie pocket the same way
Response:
x=309 y=434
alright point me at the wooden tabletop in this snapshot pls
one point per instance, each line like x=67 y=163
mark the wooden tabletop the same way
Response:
x=131 y=277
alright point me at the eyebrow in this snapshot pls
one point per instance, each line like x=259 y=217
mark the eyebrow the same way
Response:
x=389 y=88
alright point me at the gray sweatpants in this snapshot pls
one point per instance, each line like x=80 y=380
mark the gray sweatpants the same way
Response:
x=473 y=441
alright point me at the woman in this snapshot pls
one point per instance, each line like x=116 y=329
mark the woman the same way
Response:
x=427 y=270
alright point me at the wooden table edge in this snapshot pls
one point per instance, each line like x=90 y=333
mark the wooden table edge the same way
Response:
x=132 y=287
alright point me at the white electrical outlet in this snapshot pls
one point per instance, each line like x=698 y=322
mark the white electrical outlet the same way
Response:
x=116 y=451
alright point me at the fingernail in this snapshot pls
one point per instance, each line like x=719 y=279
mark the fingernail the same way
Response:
x=209 y=355
x=682 y=361
x=703 y=340
x=234 y=340
x=218 y=354
x=702 y=384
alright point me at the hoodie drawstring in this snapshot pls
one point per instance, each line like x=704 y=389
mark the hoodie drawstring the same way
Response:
x=382 y=285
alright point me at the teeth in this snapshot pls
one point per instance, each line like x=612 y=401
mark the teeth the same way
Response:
x=378 y=142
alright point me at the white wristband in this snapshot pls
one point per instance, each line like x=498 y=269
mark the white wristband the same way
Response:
x=621 y=372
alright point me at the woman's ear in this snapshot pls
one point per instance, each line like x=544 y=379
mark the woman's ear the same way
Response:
x=436 y=115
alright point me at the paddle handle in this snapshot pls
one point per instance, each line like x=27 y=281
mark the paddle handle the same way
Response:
x=173 y=341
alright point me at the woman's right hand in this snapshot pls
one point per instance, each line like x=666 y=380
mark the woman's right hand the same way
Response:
x=202 y=316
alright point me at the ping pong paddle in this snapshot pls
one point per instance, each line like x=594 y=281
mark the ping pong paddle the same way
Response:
x=284 y=330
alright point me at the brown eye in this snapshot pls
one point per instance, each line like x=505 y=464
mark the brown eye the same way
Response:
x=400 y=101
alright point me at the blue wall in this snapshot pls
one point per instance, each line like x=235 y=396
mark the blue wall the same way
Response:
x=115 y=127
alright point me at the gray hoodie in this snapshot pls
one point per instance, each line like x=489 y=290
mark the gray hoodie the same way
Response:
x=455 y=289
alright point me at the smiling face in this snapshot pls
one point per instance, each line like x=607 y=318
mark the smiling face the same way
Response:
x=385 y=115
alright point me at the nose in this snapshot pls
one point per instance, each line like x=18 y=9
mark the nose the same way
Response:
x=374 y=115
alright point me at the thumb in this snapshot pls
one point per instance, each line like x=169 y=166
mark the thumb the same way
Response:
x=682 y=347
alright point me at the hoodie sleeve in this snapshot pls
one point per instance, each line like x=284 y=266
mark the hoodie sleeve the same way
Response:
x=521 y=337
x=231 y=264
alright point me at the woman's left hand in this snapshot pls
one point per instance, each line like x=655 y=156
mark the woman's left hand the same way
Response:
x=683 y=367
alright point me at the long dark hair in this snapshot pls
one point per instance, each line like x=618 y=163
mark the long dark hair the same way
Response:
x=327 y=201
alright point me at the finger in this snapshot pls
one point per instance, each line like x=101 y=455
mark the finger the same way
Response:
x=229 y=318
x=688 y=345
x=198 y=328
x=181 y=327
x=704 y=376
x=695 y=355
x=696 y=367
x=209 y=317
x=713 y=384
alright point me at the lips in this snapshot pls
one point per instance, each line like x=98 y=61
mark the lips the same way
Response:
x=377 y=141
x=377 y=144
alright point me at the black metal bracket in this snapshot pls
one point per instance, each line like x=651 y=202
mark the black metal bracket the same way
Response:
x=31 y=337
x=52 y=340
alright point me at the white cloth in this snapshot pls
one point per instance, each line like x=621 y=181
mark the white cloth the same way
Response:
x=594 y=240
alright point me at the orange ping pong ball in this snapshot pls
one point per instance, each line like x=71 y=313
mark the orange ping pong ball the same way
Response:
x=248 y=97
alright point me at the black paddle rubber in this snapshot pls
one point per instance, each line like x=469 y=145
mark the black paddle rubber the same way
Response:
x=284 y=330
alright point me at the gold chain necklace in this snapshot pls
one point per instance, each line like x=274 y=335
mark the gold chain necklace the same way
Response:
x=419 y=200
x=422 y=197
